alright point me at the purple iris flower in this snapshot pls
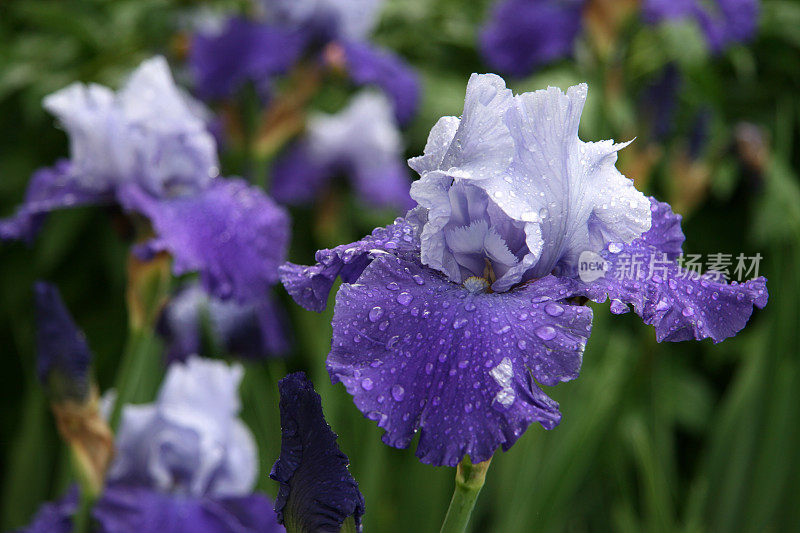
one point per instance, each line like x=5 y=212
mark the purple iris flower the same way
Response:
x=317 y=491
x=63 y=356
x=523 y=35
x=252 y=330
x=724 y=22
x=449 y=319
x=222 y=60
x=186 y=462
x=362 y=141
x=146 y=147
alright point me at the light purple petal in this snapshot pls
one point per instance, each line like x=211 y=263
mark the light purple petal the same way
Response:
x=124 y=509
x=311 y=285
x=50 y=188
x=149 y=132
x=233 y=234
x=327 y=19
x=188 y=441
x=559 y=195
x=525 y=34
x=368 y=65
x=419 y=353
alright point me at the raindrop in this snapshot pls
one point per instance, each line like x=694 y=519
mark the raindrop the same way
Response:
x=404 y=298
x=545 y=333
x=375 y=314
x=398 y=392
x=367 y=384
x=553 y=309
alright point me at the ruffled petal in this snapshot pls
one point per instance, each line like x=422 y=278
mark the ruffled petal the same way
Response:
x=523 y=35
x=326 y=19
x=50 y=189
x=368 y=65
x=419 y=353
x=63 y=358
x=680 y=304
x=242 y=51
x=311 y=285
x=233 y=234
x=317 y=491
x=124 y=509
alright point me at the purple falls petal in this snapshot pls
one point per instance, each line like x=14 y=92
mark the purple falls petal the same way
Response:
x=63 y=356
x=233 y=234
x=680 y=304
x=419 y=353
x=523 y=35
x=123 y=509
x=311 y=285
x=242 y=51
x=56 y=516
x=317 y=491
x=50 y=188
x=368 y=65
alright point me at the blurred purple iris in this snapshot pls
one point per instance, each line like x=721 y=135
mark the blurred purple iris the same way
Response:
x=256 y=51
x=146 y=147
x=362 y=141
x=317 y=491
x=448 y=319
x=523 y=35
x=724 y=22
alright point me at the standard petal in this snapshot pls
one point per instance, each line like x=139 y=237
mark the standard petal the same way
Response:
x=317 y=491
x=368 y=65
x=123 y=509
x=311 y=285
x=680 y=304
x=233 y=234
x=50 y=189
x=419 y=353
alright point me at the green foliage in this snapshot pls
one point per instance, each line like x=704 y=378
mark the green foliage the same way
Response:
x=655 y=437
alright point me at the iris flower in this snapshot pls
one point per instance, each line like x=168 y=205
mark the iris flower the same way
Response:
x=448 y=320
x=146 y=148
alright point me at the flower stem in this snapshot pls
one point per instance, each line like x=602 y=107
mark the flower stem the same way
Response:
x=469 y=482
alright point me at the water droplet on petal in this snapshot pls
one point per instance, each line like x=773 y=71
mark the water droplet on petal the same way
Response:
x=375 y=314
x=367 y=384
x=404 y=298
x=398 y=392
x=545 y=333
x=553 y=309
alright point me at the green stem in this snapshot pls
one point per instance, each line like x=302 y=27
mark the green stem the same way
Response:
x=469 y=482
x=138 y=358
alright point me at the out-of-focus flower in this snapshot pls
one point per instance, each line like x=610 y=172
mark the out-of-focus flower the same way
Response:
x=362 y=141
x=724 y=22
x=523 y=35
x=447 y=319
x=331 y=33
x=253 y=330
x=317 y=491
x=186 y=462
x=146 y=147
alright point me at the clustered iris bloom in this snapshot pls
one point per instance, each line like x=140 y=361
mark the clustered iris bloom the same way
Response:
x=147 y=149
x=362 y=141
x=332 y=32
x=450 y=318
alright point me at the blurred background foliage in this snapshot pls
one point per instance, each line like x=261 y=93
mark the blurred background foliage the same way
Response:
x=655 y=437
